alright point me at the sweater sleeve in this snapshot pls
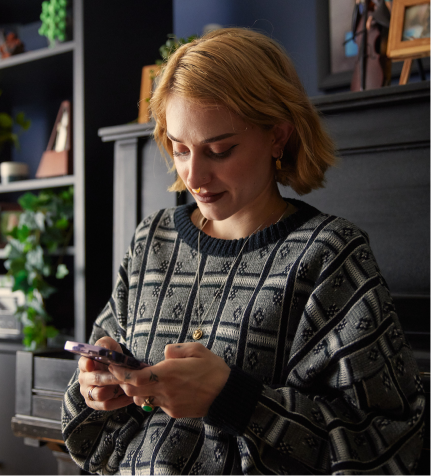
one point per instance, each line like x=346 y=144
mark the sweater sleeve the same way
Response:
x=351 y=400
x=97 y=440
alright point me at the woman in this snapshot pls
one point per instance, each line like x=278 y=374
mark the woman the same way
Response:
x=272 y=338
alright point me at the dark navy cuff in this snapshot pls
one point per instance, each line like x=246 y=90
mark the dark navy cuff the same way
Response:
x=233 y=407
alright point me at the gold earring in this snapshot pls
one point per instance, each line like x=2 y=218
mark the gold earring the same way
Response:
x=196 y=190
x=278 y=161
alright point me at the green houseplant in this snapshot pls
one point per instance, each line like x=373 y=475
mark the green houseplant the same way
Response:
x=8 y=133
x=45 y=228
x=171 y=45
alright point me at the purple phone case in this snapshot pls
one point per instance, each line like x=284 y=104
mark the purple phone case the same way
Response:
x=106 y=356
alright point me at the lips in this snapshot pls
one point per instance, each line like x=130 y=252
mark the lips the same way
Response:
x=208 y=197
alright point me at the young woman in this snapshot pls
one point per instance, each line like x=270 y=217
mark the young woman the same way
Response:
x=273 y=341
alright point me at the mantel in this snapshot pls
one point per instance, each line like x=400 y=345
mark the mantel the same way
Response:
x=362 y=99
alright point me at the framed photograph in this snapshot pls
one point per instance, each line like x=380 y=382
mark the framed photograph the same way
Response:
x=409 y=31
x=10 y=327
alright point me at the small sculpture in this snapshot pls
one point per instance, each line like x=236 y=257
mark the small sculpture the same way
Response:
x=12 y=45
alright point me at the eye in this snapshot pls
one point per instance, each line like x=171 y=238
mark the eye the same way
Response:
x=222 y=155
x=177 y=153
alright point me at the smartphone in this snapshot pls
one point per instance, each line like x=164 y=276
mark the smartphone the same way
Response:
x=106 y=356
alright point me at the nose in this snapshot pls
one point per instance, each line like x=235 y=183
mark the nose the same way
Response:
x=198 y=173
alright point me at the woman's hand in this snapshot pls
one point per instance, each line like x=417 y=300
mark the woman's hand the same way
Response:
x=184 y=385
x=101 y=385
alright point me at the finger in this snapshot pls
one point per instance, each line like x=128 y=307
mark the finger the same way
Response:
x=131 y=390
x=139 y=378
x=109 y=343
x=181 y=351
x=112 y=404
x=98 y=378
x=89 y=365
x=103 y=394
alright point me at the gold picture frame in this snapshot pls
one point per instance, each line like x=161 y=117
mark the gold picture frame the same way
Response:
x=149 y=74
x=409 y=15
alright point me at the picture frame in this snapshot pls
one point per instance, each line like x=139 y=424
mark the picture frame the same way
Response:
x=409 y=30
x=10 y=327
x=149 y=73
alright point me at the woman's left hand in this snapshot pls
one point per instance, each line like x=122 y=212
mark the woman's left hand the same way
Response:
x=184 y=384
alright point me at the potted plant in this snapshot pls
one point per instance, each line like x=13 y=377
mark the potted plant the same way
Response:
x=12 y=128
x=45 y=227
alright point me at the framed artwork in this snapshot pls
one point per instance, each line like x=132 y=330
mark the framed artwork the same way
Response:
x=149 y=74
x=10 y=327
x=409 y=31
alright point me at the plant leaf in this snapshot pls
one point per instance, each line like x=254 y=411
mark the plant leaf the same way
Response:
x=62 y=271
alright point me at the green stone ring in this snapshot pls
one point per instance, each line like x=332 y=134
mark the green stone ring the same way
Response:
x=148 y=406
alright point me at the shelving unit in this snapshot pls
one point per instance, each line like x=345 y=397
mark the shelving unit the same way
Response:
x=37 y=184
x=99 y=71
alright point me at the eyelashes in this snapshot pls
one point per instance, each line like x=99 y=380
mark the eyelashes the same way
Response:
x=210 y=153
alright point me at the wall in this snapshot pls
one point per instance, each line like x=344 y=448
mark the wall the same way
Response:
x=291 y=22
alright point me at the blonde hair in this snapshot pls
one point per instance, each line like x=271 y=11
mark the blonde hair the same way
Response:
x=252 y=76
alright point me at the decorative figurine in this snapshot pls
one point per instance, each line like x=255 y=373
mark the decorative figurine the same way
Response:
x=370 y=25
x=11 y=46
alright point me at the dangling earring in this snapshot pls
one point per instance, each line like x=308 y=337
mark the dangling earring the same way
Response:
x=278 y=161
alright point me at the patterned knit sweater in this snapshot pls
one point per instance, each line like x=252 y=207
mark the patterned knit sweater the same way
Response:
x=322 y=379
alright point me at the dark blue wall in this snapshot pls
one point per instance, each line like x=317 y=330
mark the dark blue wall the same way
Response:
x=291 y=22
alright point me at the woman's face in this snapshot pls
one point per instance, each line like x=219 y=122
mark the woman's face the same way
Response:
x=229 y=160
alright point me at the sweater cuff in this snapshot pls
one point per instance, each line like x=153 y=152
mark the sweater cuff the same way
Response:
x=233 y=407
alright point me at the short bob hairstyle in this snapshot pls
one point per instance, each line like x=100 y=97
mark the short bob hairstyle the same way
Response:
x=251 y=75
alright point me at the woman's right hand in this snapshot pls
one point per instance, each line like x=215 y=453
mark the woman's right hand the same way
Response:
x=94 y=377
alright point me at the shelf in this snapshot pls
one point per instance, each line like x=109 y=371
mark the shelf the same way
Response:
x=36 y=55
x=70 y=251
x=126 y=131
x=37 y=184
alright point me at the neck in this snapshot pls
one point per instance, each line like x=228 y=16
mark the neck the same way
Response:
x=258 y=215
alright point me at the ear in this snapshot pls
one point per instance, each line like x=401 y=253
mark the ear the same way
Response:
x=280 y=135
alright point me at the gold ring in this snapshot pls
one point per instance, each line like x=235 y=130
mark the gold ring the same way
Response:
x=148 y=406
x=196 y=190
x=90 y=391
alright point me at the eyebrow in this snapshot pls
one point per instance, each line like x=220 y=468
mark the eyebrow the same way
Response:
x=206 y=141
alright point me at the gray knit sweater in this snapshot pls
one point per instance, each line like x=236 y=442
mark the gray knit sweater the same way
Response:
x=322 y=379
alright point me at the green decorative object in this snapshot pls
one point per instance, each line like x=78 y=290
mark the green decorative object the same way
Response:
x=53 y=18
x=45 y=227
x=147 y=408
x=7 y=123
x=171 y=45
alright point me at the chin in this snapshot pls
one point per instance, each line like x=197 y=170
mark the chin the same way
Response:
x=215 y=213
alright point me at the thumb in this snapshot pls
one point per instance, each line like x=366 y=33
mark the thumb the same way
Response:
x=109 y=343
x=181 y=351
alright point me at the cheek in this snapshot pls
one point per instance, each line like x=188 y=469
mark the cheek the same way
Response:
x=181 y=169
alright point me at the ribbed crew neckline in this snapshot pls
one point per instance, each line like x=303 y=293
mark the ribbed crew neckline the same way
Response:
x=188 y=232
